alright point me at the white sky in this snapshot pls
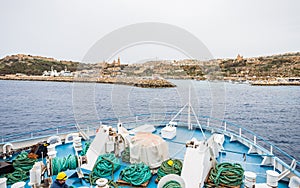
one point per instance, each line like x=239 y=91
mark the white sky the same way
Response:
x=66 y=29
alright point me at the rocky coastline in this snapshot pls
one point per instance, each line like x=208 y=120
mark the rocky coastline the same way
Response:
x=137 y=82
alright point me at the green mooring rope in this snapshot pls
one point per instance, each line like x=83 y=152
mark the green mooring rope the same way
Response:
x=62 y=164
x=227 y=174
x=22 y=164
x=85 y=149
x=172 y=166
x=172 y=184
x=105 y=165
x=136 y=174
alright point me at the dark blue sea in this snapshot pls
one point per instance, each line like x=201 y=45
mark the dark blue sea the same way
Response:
x=272 y=112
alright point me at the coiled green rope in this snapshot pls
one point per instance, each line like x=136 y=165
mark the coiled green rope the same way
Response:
x=105 y=165
x=171 y=166
x=62 y=164
x=22 y=164
x=227 y=174
x=172 y=184
x=136 y=174
x=85 y=149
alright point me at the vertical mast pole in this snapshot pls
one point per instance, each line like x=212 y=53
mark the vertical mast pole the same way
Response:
x=189 y=109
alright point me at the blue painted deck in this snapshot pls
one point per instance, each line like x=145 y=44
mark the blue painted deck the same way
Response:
x=234 y=152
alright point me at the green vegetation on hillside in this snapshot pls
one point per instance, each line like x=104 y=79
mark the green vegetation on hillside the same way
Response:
x=33 y=65
x=284 y=65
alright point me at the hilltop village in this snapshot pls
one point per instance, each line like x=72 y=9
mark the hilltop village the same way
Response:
x=267 y=70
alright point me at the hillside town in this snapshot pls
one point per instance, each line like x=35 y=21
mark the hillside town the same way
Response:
x=282 y=69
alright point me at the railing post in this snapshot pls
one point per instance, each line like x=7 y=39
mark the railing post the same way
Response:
x=207 y=122
x=2 y=139
x=254 y=140
x=271 y=150
x=56 y=130
x=240 y=132
x=225 y=126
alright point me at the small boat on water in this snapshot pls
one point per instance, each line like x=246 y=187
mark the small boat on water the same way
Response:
x=147 y=150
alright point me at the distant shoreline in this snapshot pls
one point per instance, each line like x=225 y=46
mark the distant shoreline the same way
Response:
x=137 y=82
x=277 y=84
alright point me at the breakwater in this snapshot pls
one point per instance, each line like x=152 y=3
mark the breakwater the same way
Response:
x=131 y=81
x=275 y=83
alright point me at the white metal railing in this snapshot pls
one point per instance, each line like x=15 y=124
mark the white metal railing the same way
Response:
x=133 y=121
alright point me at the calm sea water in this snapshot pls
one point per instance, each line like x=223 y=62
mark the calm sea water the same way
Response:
x=271 y=112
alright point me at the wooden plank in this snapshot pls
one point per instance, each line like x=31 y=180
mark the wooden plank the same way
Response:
x=209 y=182
x=122 y=182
